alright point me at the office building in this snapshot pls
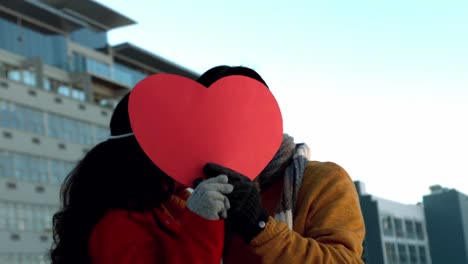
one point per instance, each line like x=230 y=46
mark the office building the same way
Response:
x=447 y=225
x=395 y=232
x=59 y=81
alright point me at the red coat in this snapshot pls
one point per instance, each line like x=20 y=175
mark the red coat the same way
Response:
x=157 y=236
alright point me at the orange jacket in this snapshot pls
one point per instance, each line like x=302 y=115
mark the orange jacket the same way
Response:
x=171 y=234
x=328 y=225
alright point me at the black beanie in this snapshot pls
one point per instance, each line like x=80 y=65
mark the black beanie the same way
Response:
x=218 y=72
x=120 y=120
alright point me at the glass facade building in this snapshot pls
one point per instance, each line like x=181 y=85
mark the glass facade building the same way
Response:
x=59 y=80
x=116 y=72
x=52 y=50
x=27 y=119
x=26 y=40
x=89 y=38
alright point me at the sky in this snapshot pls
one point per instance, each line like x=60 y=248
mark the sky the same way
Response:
x=378 y=87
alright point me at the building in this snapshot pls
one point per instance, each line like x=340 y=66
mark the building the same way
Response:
x=59 y=80
x=447 y=225
x=395 y=232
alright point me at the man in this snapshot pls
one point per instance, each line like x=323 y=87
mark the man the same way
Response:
x=296 y=210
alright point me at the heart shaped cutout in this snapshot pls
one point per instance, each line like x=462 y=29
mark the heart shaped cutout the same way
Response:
x=181 y=125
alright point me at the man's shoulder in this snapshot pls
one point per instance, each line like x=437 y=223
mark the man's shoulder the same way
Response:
x=319 y=175
x=323 y=169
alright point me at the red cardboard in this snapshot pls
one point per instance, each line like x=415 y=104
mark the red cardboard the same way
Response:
x=181 y=125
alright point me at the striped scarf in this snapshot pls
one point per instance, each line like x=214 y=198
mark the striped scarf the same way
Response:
x=289 y=162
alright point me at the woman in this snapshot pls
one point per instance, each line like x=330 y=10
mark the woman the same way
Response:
x=118 y=207
x=296 y=211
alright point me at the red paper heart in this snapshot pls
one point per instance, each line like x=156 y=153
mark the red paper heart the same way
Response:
x=181 y=125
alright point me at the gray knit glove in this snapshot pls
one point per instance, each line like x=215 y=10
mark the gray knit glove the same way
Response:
x=208 y=200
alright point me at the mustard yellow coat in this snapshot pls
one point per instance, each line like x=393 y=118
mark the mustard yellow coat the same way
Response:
x=328 y=225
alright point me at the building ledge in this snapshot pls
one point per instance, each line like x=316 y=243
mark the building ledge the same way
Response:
x=42 y=14
x=154 y=61
x=100 y=17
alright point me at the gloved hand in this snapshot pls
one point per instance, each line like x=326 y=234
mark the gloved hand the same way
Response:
x=246 y=216
x=208 y=199
x=212 y=170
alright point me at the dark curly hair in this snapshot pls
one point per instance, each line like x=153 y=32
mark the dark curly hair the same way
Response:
x=114 y=174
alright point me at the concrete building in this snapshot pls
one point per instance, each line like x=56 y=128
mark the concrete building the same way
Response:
x=447 y=225
x=59 y=80
x=395 y=232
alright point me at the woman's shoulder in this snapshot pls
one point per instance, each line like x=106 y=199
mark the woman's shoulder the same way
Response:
x=122 y=235
x=118 y=222
x=126 y=216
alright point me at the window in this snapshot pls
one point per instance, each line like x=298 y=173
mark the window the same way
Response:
x=57 y=172
x=24 y=167
x=98 y=68
x=23 y=259
x=413 y=256
x=399 y=227
x=78 y=94
x=391 y=253
x=44 y=218
x=29 y=168
x=47 y=85
x=3 y=216
x=107 y=102
x=89 y=38
x=20 y=166
x=30 y=41
x=60 y=170
x=20 y=217
x=403 y=254
x=25 y=76
x=127 y=75
x=34 y=169
x=13 y=73
x=40 y=259
x=13 y=259
x=102 y=133
x=70 y=130
x=27 y=259
x=11 y=216
x=48 y=214
x=29 y=77
x=21 y=118
x=37 y=223
x=34 y=122
x=422 y=255
x=419 y=231
x=25 y=217
x=4 y=113
x=6 y=165
x=64 y=90
x=387 y=225
x=44 y=171
x=122 y=75
x=29 y=218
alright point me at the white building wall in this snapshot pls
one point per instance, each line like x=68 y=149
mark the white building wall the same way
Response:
x=27 y=206
x=394 y=211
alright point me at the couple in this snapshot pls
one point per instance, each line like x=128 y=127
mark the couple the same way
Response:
x=119 y=208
